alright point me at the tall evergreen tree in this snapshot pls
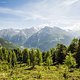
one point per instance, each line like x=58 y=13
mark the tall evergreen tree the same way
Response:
x=5 y=53
x=25 y=54
x=53 y=52
x=44 y=56
x=70 y=61
x=9 y=59
x=49 y=59
x=14 y=59
x=28 y=58
x=18 y=55
x=73 y=46
x=33 y=57
x=1 y=54
x=61 y=52
x=39 y=57
x=77 y=55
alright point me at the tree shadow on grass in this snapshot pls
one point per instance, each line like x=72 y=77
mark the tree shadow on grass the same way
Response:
x=31 y=68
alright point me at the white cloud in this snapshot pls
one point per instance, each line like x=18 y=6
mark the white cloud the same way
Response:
x=46 y=12
x=11 y=11
x=70 y=2
x=26 y=15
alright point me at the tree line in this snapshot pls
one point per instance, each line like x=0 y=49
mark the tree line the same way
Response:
x=61 y=54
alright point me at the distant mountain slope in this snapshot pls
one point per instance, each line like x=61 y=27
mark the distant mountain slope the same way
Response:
x=47 y=38
x=16 y=35
x=7 y=44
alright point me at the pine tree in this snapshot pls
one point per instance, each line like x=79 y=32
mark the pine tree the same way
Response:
x=49 y=59
x=33 y=57
x=70 y=61
x=25 y=54
x=14 y=59
x=61 y=52
x=5 y=53
x=9 y=59
x=18 y=55
x=28 y=58
x=73 y=46
x=53 y=53
x=1 y=54
x=77 y=55
x=39 y=57
x=44 y=57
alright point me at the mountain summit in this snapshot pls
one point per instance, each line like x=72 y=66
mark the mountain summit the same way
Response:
x=47 y=38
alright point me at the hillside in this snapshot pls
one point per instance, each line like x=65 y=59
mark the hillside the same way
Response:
x=7 y=44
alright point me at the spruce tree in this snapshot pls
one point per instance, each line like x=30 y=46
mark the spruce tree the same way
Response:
x=28 y=58
x=25 y=54
x=77 y=55
x=61 y=52
x=49 y=59
x=1 y=54
x=44 y=57
x=39 y=57
x=18 y=55
x=73 y=46
x=9 y=59
x=5 y=53
x=14 y=59
x=33 y=57
x=53 y=52
x=70 y=61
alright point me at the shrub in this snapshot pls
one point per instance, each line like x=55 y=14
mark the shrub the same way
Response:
x=70 y=61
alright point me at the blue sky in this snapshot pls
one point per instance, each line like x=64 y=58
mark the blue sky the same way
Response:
x=39 y=13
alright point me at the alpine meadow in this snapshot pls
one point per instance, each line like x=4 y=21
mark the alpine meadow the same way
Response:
x=39 y=39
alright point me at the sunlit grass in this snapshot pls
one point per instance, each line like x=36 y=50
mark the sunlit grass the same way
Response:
x=60 y=72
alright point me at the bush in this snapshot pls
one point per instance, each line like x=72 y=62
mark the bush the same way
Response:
x=70 y=61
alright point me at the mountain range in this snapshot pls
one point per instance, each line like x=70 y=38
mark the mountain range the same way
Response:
x=17 y=36
x=44 y=38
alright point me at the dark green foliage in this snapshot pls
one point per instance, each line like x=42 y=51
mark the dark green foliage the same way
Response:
x=5 y=53
x=14 y=59
x=1 y=54
x=19 y=55
x=61 y=52
x=73 y=46
x=9 y=58
x=33 y=57
x=48 y=58
x=53 y=53
x=44 y=57
x=28 y=58
x=77 y=55
x=25 y=54
x=39 y=57
x=70 y=61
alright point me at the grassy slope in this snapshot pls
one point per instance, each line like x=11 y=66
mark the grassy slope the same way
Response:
x=39 y=73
